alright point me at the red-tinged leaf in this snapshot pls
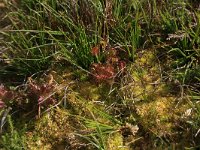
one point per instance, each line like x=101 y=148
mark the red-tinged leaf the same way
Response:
x=103 y=72
x=95 y=51
x=122 y=65
x=2 y=104
x=40 y=100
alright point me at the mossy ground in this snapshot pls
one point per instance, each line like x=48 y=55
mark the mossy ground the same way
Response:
x=155 y=111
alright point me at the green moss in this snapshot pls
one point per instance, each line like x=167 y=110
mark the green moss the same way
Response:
x=115 y=142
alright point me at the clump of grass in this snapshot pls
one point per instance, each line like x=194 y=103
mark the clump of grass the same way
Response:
x=46 y=31
x=180 y=25
x=30 y=50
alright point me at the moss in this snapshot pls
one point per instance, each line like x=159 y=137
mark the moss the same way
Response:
x=156 y=115
x=89 y=91
x=53 y=129
x=115 y=142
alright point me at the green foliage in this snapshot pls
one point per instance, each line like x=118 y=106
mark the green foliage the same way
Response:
x=13 y=139
x=47 y=30
x=101 y=131
x=185 y=55
x=30 y=49
x=127 y=31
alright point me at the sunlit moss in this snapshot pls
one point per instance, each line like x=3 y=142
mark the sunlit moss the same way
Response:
x=115 y=142
x=156 y=116
x=52 y=129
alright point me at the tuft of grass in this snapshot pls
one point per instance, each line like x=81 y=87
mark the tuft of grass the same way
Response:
x=185 y=51
x=45 y=32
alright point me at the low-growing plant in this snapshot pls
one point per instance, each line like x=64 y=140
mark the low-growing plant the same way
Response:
x=12 y=138
x=110 y=68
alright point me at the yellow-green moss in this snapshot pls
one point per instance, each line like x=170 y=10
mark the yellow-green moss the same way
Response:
x=115 y=142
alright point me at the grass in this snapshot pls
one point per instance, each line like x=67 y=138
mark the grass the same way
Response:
x=101 y=74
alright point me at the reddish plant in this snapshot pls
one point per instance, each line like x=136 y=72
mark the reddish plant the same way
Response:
x=95 y=51
x=108 y=70
x=122 y=66
x=102 y=72
x=42 y=92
